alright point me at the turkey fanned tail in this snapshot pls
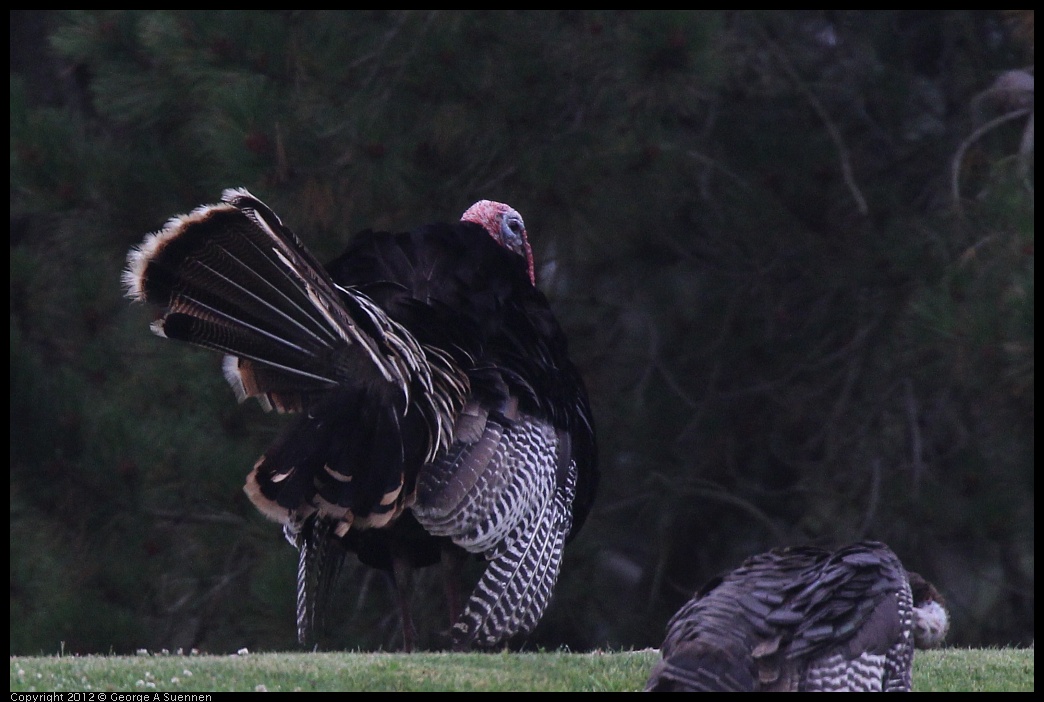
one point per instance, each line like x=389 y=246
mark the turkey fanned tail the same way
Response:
x=232 y=278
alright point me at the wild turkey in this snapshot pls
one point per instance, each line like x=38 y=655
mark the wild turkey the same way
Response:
x=796 y=619
x=438 y=412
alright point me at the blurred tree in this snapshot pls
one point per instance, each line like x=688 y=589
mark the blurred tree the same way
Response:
x=793 y=252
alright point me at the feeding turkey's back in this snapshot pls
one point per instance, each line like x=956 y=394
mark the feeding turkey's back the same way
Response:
x=796 y=619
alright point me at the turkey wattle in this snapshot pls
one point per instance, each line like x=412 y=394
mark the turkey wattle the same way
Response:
x=437 y=410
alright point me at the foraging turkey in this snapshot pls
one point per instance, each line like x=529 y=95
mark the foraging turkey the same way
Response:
x=437 y=411
x=798 y=619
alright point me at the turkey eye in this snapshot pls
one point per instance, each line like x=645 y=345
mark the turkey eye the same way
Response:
x=515 y=225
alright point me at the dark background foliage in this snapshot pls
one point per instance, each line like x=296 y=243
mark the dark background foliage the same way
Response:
x=793 y=252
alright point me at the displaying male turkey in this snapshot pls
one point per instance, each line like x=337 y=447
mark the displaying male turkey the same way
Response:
x=438 y=412
x=796 y=619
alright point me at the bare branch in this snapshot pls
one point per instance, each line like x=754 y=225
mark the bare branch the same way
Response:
x=714 y=165
x=967 y=143
x=196 y=518
x=835 y=134
x=875 y=496
x=916 y=443
x=719 y=494
x=1026 y=148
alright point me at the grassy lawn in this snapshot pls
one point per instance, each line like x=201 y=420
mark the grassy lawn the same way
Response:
x=976 y=670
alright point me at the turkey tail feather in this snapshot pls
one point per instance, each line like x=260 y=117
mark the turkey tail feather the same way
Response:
x=232 y=278
x=319 y=562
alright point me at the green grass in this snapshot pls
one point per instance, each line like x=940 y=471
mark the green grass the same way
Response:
x=937 y=671
x=974 y=670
